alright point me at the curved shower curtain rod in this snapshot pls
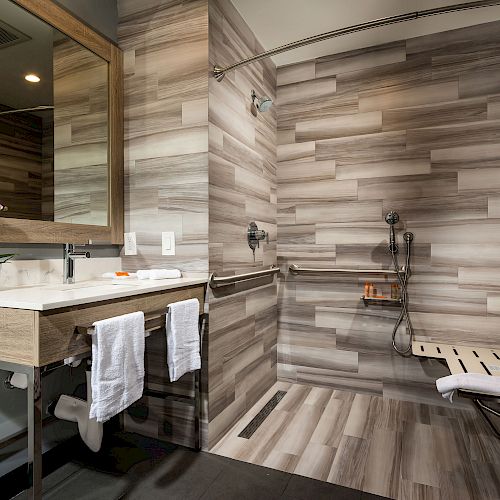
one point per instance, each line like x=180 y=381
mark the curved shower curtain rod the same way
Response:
x=219 y=72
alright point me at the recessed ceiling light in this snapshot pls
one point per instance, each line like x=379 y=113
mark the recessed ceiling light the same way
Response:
x=32 y=78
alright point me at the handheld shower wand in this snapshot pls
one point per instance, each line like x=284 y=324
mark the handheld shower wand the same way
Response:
x=403 y=274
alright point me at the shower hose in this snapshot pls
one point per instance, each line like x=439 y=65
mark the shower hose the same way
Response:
x=403 y=281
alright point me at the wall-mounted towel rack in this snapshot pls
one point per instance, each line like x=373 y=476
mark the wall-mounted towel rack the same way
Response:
x=157 y=321
x=216 y=281
x=295 y=269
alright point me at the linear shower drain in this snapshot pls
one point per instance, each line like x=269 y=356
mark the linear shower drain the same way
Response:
x=257 y=421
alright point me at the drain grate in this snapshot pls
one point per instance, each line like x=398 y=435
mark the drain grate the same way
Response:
x=257 y=421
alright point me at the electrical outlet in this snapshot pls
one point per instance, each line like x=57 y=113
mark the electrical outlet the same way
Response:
x=168 y=243
x=130 y=244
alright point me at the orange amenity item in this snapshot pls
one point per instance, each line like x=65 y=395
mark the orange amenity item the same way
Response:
x=121 y=273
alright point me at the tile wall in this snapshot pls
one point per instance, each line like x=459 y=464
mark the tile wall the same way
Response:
x=409 y=126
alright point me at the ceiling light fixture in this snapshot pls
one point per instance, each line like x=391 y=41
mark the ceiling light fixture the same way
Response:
x=32 y=78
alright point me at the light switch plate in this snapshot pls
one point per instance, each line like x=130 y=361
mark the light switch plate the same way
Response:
x=130 y=244
x=168 y=243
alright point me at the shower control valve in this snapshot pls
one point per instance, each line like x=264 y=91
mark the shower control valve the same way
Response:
x=255 y=236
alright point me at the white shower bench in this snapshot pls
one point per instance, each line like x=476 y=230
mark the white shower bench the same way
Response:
x=466 y=359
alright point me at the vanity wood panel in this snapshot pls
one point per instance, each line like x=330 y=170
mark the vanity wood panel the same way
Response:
x=17 y=340
x=58 y=339
x=37 y=338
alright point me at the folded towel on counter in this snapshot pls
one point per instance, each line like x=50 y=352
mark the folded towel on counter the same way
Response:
x=183 y=338
x=117 y=364
x=158 y=274
x=475 y=382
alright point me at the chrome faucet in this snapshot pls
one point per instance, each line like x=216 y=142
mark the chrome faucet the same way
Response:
x=69 y=262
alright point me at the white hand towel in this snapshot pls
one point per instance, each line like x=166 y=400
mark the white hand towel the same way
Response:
x=117 y=364
x=161 y=274
x=475 y=382
x=183 y=338
x=158 y=274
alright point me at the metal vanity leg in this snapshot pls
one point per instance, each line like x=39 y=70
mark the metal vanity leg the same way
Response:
x=34 y=433
x=197 y=410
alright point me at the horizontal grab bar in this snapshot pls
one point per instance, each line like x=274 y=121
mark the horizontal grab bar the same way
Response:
x=216 y=282
x=295 y=269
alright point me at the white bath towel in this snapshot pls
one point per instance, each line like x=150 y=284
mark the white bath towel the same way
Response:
x=475 y=382
x=183 y=338
x=117 y=364
x=158 y=274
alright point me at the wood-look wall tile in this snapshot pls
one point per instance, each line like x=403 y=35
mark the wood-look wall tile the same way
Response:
x=456 y=231
x=296 y=73
x=385 y=168
x=319 y=357
x=479 y=83
x=318 y=190
x=450 y=136
x=390 y=98
x=461 y=157
x=494 y=108
x=484 y=255
x=351 y=233
x=415 y=70
x=378 y=55
x=479 y=180
x=479 y=278
x=335 y=105
x=317 y=170
x=301 y=152
x=408 y=187
x=360 y=146
x=431 y=115
x=494 y=206
x=354 y=211
x=341 y=126
x=319 y=88
x=444 y=209
x=449 y=42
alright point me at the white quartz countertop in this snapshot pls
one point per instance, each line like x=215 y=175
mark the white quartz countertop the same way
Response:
x=53 y=296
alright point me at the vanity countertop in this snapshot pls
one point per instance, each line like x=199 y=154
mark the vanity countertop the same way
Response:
x=54 y=296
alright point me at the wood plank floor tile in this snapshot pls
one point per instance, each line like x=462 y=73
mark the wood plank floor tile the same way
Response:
x=316 y=461
x=349 y=463
x=419 y=458
x=382 y=470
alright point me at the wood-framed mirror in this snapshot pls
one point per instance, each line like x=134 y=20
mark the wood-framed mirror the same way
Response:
x=61 y=128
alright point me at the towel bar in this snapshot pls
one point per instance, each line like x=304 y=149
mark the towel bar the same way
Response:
x=157 y=321
x=295 y=269
x=216 y=281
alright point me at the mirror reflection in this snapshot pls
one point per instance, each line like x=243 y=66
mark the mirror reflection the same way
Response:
x=53 y=123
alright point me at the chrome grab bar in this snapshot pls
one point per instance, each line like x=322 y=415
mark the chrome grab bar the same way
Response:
x=216 y=281
x=295 y=269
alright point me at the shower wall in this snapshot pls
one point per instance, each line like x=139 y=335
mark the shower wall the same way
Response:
x=412 y=126
x=242 y=188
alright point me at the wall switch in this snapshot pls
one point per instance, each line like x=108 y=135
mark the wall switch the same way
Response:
x=168 y=243
x=130 y=244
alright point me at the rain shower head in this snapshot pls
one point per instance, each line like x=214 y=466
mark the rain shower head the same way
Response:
x=263 y=103
x=392 y=218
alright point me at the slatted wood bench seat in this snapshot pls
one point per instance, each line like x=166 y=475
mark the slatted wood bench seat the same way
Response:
x=466 y=359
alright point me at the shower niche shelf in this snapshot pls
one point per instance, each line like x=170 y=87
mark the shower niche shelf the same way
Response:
x=380 y=301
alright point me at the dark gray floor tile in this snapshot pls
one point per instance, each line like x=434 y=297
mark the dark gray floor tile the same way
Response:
x=183 y=474
x=371 y=496
x=303 y=488
x=242 y=481
x=89 y=485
